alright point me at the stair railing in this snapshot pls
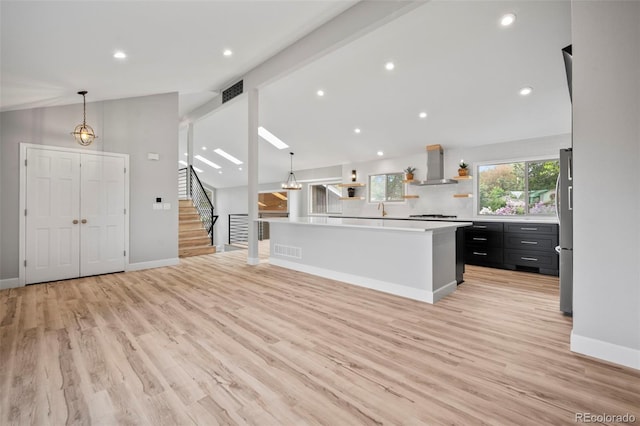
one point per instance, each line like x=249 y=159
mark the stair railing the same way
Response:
x=199 y=197
x=239 y=227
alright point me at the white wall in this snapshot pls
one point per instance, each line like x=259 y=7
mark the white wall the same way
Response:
x=606 y=108
x=439 y=199
x=134 y=126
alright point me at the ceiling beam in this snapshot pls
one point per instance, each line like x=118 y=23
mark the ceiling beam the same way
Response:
x=353 y=23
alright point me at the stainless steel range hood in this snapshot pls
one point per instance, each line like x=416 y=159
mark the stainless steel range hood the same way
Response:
x=435 y=168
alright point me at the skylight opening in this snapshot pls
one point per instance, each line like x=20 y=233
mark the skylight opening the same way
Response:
x=207 y=162
x=228 y=156
x=271 y=138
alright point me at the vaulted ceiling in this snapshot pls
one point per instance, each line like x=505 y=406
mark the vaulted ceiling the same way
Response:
x=453 y=60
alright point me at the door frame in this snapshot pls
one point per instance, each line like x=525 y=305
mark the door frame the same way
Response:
x=22 y=249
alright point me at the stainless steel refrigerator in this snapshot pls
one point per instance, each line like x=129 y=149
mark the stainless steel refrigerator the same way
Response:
x=564 y=209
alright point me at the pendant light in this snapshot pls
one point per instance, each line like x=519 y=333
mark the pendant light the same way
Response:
x=83 y=133
x=291 y=183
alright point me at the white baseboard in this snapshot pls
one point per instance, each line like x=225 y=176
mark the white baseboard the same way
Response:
x=9 y=283
x=606 y=351
x=443 y=291
x=152 y=264
x=373 y=284
x=253 y=261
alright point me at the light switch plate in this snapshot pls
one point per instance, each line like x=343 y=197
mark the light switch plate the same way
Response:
x=153 y=156
x=157 y=206
x=166 y=206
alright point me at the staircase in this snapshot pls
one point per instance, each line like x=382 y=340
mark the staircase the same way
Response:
x=193 y=239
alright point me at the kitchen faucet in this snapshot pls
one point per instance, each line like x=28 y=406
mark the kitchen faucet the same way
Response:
x=384 y=213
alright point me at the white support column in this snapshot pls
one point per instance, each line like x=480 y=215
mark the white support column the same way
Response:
x=252 y=197
x=189 y=155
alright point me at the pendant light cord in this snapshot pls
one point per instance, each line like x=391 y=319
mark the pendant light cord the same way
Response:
x=84 y=110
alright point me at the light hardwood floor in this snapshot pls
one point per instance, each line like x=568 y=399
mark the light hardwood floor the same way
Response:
x=214 y=341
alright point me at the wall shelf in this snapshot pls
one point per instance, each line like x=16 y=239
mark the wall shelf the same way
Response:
x=407 y=196
x=463 y=177
x=350 y=185
x=352 y=198
x=462 y=195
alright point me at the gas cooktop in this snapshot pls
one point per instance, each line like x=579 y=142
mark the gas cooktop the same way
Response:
x=434 y=216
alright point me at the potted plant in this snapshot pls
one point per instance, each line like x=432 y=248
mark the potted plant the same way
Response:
x=409 y=172
x=351 y=192
x=463 y=169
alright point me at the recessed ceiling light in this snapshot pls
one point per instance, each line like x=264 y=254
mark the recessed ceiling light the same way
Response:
x=119 y=55
x=205 y=161
x=220 y=172
x=389 y=66
x=507 y=19
x=240 y=168
x=271 y=138
x=197 y=169
x=357 y=130
x=320 y=92
x=227 y=52
x=184 y=163
x=204 y=148
x=228 y=156
x=526 y=91
x=422 y=115
x=380 y=153
x=186 y=154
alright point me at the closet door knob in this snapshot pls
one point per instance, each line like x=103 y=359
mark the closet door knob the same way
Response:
x=75 y=221
x=84 y=221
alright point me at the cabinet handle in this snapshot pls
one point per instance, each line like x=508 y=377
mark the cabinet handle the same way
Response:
x=528 y=242
x=480 y=226
x=532 y=259
x=84 y=221
x=479 y=239
x=528 y=229
x=75 y=221
x=477 y=253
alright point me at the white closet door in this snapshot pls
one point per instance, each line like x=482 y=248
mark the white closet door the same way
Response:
x=53 y=204
x=102 y=240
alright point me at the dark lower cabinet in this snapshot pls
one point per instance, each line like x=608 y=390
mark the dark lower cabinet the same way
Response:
x=531 y=247
x=513 y=245
x=483 y=244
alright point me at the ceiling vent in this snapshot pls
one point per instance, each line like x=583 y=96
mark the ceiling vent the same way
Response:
x=232 y=92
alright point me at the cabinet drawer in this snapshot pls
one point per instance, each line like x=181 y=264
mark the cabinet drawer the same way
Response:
x=481 y=256
x=486 y=226
x=529 y=242
x=544 y=260
x=538 y=228
x=482 y=238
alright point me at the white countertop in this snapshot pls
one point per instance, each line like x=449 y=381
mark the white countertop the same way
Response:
x=386 y=224
x=543 y=219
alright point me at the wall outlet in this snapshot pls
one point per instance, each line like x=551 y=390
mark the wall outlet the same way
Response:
x=166 y=206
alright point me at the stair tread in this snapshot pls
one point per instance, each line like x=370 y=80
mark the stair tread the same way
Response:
x=196 y=251
x=193 y=239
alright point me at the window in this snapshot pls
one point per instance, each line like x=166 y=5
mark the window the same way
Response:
x=519 y=188
x=324 y=198
x=386 y=187
x=272 y=201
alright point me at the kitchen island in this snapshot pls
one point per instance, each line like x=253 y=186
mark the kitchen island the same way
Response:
x=413 y=259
